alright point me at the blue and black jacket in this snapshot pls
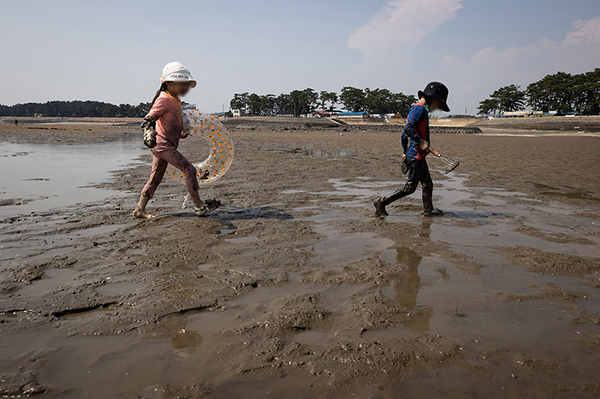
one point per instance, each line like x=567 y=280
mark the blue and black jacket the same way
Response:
x=415 y=131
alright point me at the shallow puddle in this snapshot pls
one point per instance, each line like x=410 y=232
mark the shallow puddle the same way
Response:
x=340 y=248
x=440 y=299
x=451 y=191
x=466 y=298
x=366 y=190
x=326 y=153
x=226 y=231
x=186 y=339
x=105 y=366
x=55 y=176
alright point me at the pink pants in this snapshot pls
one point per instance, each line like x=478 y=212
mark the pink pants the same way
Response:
x=160 y=161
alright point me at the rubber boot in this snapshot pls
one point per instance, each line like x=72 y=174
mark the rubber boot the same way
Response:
x=382 y=202
x=427 y=203
x=429 y=210
x=380 y=207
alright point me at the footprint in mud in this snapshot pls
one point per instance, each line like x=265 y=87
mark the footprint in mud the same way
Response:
x=52 y=280
x=310 y=337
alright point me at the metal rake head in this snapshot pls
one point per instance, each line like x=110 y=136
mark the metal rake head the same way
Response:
x=451 y=163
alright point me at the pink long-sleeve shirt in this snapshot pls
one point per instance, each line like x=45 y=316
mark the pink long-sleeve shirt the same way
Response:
x=166 y=111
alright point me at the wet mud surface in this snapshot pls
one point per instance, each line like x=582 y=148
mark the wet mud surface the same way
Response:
x=293 y=288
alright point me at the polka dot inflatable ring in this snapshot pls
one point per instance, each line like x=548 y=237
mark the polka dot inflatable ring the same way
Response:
x=196 y=123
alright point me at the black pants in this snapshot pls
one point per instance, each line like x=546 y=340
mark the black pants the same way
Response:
x=418 y=171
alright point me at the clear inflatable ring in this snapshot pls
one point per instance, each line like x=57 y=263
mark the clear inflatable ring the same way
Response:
x=195 y=123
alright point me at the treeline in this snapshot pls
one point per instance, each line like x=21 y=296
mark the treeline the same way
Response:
x=301 y=102
x=75 y=109
x=561 y=92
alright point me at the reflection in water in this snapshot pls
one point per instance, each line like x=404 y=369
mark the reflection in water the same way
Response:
x=426 y=227
x=407 y=290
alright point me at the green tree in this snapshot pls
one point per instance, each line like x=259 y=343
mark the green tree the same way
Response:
x=510 y=98
x=296 y=102
x=282 y=104
x=311 y=99
x=268 y=104
x=303 y=101
x=353 y=99
x=75 y=109
x=383 y=101
x=254 y=104
x=593 y=104
x=505 y=99
x=587 y=92
x=553 y=92
x=377 y=101
x=328 y=97
x=487 y=107
x=402 y=103
x=240 y=101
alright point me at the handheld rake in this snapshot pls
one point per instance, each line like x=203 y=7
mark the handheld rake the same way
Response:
x=451 y=163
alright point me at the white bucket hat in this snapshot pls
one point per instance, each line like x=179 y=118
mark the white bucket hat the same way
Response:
x=177 y=72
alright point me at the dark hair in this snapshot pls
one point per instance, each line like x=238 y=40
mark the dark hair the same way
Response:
x=428 y=100
x=163 y=87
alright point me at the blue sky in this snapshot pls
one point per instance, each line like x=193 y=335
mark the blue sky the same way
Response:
x=114 y=51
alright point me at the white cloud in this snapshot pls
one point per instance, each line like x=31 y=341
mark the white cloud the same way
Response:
x=390 y=39
x=586 y=32
x=401 y=25
x=491 y=68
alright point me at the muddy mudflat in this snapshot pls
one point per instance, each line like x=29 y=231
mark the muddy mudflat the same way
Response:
x=293 y=289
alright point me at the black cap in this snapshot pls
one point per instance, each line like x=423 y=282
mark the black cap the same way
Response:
x=437 y=90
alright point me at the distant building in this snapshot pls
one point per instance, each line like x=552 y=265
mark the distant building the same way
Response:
x=353 y=115
x=517 y=114
x=323 y=114
x=236 y=113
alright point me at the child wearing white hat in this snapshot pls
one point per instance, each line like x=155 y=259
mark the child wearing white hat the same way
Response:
x=163 y=127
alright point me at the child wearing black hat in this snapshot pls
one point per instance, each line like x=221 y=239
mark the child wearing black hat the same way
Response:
x=415 y=141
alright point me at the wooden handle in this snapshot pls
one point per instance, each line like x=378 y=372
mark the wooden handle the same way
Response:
x=434 y=152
